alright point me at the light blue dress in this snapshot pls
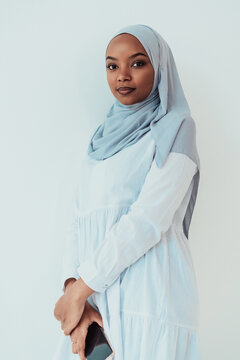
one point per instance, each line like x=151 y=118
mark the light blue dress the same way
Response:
x=127 y=243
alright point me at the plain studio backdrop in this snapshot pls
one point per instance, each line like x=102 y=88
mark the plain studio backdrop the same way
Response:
x=53 y=93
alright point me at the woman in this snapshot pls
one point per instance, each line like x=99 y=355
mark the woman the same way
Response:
x=128 y=265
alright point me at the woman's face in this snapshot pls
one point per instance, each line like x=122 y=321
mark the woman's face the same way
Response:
x=126 y=69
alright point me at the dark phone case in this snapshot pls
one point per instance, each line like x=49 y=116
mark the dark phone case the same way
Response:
x=94 y=338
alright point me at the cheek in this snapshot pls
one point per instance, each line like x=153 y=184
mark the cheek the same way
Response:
x=110 y=81
x=146 y=80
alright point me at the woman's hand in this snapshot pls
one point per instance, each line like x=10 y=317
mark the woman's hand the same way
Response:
x=70 y=306
x=79 y=334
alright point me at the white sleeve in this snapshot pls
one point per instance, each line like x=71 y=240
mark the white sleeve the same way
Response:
x=142 y=227
x=70 y=260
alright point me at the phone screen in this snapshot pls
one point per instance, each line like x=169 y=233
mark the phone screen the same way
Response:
x=101 y=352
x=97 y=346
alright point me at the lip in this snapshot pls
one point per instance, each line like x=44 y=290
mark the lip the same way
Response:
x=124 y=90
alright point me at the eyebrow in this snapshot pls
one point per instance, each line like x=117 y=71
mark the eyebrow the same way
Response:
x=130 y=57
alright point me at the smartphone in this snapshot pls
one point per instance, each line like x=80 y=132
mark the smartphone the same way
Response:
x=97 y=345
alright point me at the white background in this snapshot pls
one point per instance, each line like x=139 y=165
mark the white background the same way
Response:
x=53 y=93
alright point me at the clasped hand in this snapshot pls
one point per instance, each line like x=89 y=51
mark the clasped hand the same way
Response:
x=69 y=308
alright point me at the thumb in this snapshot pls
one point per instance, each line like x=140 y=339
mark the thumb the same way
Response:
x=98 y=319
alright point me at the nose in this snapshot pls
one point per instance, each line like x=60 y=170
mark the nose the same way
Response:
x=124 y=75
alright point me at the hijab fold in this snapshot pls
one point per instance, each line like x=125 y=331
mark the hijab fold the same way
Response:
x=164 y=112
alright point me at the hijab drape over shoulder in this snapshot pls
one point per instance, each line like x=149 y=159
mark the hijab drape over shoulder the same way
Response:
x=164 y=112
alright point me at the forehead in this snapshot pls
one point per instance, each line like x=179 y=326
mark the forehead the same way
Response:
x=125 y=42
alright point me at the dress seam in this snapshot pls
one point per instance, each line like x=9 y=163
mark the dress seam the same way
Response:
x=177 y=226
x=166 y=322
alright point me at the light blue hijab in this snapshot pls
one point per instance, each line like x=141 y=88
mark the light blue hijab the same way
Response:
x=164 y=112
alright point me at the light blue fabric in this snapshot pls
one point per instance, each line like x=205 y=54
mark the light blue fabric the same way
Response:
x=165 y=112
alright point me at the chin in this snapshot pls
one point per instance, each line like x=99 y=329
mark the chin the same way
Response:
x=127 y=101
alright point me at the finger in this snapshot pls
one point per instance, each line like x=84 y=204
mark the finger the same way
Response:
x=100 y=321
x=81 y=354
x=68 y=328
x=67 y=331
x=74 y=346
x=82 y=334
x=76 y=349
x=98 y=318
x=78 y=346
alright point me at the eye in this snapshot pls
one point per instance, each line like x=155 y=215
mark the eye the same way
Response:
x=136 y=62
x=108 y=66
x=141 y=62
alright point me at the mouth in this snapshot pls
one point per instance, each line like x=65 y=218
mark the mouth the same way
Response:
x=124 y=90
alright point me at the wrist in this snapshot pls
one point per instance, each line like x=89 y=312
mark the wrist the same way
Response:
x=84 y=290
x=69 y=282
